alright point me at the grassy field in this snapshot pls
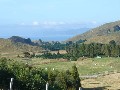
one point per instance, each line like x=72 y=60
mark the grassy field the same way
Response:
x=88 y=66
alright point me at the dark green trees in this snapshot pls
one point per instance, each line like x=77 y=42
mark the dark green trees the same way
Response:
x=75 y=75
x=117 y=51
x=27 y=55
x=91 y=50
x=82 y=50
x=107 y=50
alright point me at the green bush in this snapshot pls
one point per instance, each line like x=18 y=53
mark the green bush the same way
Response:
x=31 y=78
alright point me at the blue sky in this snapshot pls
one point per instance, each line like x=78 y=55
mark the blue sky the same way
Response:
x=56 y=19
x=58 y=11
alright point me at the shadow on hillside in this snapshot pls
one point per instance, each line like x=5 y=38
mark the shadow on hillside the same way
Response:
x=96 y=88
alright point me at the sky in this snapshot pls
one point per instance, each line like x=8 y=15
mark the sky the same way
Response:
x=55 y=18
x=58 y=11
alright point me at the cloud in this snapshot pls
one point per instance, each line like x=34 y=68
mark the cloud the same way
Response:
x=46 y=24
x=94 y=22
x=53 y=23
x=50 y=23
x=35 y=23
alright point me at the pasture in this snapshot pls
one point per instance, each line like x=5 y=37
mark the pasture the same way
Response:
x=87 y=66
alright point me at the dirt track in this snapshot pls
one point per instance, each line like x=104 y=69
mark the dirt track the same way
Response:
x=108 y=82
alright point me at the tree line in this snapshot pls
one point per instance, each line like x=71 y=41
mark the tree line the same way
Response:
x=75 y=50
x=53 y=46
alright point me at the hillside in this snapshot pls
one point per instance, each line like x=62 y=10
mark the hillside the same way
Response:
x=101 y=34
x=8 y=47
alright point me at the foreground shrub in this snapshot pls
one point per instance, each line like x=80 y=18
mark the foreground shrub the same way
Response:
x=31 y=78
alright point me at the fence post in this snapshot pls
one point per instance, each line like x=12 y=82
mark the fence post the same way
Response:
x=47 y=86
x=80 y=88
x=11 y=84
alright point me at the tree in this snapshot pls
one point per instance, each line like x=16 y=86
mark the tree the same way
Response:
x=113 y=49
x=112 y=42
x=97 y=49
x=69 y=80
x=92 y=50
x=82 y=50
x=26 y=54
x=107 y=50
x=51 y=78
x=75 y=52
x=3 y=63
x=117 y=51
x=60 y=83
x=75 y=75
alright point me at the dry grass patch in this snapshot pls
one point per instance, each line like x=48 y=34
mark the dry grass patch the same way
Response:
x=109 y=82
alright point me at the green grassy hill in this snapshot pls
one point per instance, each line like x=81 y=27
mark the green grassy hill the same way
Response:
x=102 y=34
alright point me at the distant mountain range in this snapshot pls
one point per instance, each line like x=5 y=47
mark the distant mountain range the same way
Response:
x=102 y=34
x=44 y=32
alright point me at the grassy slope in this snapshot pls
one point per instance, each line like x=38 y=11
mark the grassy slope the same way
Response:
x=99 y=32
x=105 y=39
x=8 y=48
